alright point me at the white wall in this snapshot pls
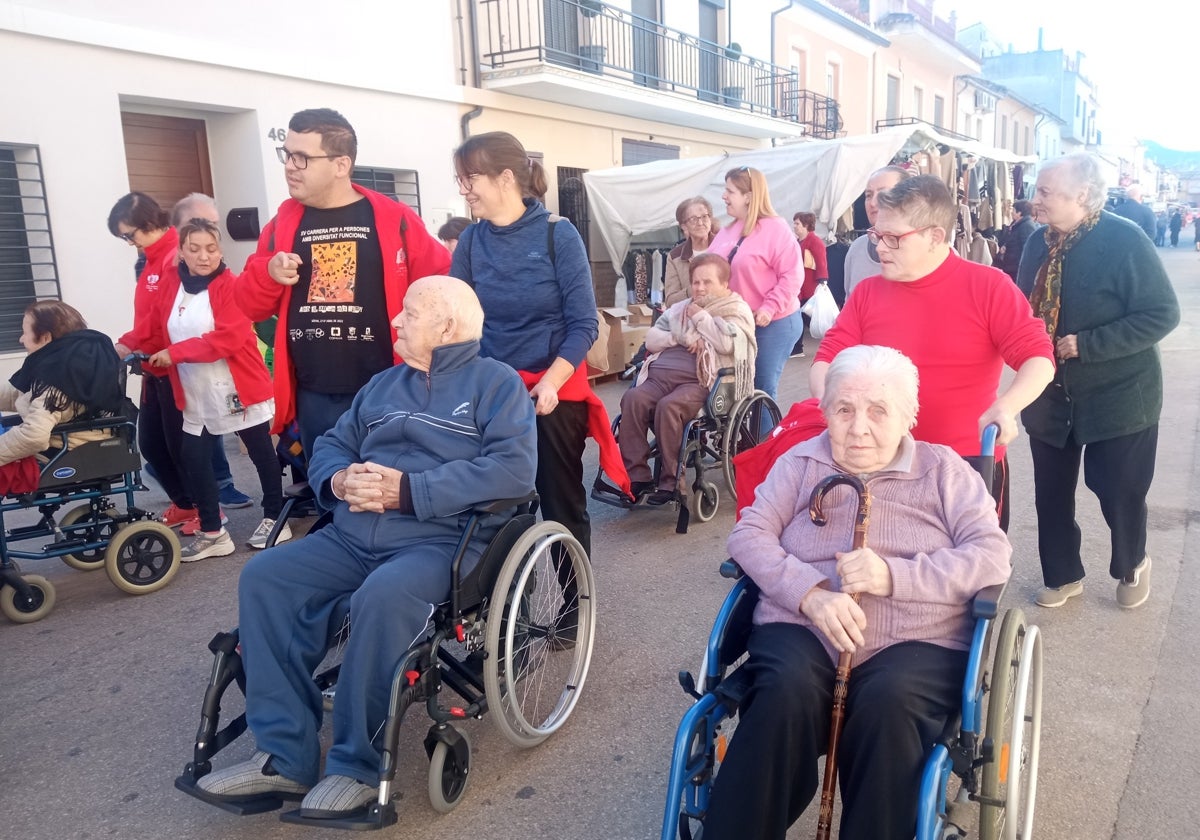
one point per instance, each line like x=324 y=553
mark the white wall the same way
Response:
x=69 y=104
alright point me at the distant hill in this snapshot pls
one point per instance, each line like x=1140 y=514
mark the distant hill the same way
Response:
x=1171 y=158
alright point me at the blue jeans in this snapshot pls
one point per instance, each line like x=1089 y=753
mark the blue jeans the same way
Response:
x=775 y=343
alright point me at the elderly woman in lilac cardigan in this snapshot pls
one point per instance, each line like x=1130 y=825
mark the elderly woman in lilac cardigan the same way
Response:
x=933 y=542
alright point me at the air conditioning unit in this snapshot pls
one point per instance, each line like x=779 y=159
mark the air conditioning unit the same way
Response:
x=984 y=101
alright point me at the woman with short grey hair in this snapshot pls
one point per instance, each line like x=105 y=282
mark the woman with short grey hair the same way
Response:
x=1099 y=286
x=934 y=542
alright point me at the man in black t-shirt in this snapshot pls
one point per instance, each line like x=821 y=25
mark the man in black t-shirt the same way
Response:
x=334 y=265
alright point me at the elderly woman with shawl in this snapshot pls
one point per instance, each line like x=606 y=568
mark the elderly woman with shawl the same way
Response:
x=692 y=340
x=71 y=373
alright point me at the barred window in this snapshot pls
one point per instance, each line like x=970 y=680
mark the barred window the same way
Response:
x=28 y=271
x=400 y=184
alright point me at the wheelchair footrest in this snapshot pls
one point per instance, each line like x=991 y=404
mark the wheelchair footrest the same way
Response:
x=243 y=806
x=369 y=818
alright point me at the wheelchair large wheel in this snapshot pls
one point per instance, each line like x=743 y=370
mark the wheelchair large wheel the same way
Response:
x=540 y=626
x=142 y=558
x=752 y=419
x=28 y=610
x=1014 y=725
x=87 y=561
x=448 y=778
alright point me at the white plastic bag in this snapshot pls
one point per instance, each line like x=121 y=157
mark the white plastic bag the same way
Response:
x=821 y=309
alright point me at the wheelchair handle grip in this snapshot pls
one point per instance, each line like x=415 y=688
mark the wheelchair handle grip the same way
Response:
x=987 y=447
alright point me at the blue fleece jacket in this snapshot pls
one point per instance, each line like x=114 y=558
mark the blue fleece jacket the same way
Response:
x=534 y=311
x=463 y=433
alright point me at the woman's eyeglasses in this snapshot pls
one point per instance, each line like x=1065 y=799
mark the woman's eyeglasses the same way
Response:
x=695 y=220
x=128 y=237
x=892 y=240
x=467 y=182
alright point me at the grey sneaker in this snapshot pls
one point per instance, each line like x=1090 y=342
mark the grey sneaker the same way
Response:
x=1056 y=596
x=1133 y=591
x=337 y=796
x=208 y=545
x=251 y=778
x=259 y=538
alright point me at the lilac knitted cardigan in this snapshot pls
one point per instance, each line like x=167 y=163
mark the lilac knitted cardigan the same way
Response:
x=932 y=521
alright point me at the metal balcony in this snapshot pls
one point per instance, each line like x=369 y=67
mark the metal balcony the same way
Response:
x=587 y=53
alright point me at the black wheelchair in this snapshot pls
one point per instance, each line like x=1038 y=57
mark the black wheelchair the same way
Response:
x=993 y=760
x=139 y=554
x=723 y=428
x=515 y=638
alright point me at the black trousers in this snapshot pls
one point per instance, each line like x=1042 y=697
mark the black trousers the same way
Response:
x=1119 y=471
x=898 y=702
x=160 y=439
x=197 y=450
x=561 y=436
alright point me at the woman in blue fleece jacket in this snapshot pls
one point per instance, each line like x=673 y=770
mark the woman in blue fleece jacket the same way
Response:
x=539 y=308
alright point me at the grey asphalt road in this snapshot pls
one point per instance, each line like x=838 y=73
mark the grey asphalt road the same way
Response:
x=98 y=702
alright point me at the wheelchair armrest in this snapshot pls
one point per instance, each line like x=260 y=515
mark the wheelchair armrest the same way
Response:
x=731 y=570
x=501 y=505
x=726 y=371
x=10 y=420
x=93 y=425
x=986 y=603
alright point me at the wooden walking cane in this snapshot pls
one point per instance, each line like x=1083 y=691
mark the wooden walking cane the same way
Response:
x=842 y=677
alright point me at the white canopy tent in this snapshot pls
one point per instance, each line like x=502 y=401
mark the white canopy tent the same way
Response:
x=825 y=176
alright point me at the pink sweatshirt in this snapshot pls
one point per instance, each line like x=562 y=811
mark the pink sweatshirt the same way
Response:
x=932 y=521
x=767 y=270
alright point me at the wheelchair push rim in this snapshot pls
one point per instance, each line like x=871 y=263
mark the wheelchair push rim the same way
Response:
x=534 y=672
x=749 y=424
x=1014 y=727
x=142 y=558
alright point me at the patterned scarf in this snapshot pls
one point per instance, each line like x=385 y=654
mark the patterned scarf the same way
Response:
x=1047 y=290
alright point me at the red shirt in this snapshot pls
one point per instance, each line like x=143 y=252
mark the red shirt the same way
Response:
x=813 y=244
x=159 y=257
x=959 y=325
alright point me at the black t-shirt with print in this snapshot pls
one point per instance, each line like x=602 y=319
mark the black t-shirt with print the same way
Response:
x=338 y=332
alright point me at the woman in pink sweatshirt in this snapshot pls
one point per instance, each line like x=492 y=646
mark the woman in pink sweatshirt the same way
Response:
x=766 y=270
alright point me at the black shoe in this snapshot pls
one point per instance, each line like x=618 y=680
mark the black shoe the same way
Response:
x=641 y=488
x=660 y=497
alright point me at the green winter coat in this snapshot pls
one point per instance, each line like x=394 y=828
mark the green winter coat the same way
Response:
x=1118 y=301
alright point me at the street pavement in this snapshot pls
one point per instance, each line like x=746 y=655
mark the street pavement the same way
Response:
x=99 y=701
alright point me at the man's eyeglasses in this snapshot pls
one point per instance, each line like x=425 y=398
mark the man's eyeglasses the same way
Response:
x=299 y=159
x=128 y=237
x=695 y=220
x=467 y=182
x=892 y=240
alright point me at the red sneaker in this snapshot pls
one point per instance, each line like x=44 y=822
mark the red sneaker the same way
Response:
x=193 y=525
x=175 y=515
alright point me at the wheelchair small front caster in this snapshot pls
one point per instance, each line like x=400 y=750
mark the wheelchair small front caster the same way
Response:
x=449 y=769
x=31 y=606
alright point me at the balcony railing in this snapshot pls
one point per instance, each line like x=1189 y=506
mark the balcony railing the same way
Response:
x=593 y=37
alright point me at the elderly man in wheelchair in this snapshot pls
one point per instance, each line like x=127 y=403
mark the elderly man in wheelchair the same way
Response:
x=934 y=543
x=421 y=445
x=690 y=344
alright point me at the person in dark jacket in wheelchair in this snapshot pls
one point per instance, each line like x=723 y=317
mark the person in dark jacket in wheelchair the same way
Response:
x=934 y=541
x=422 y=444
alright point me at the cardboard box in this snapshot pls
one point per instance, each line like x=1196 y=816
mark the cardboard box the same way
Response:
x=632 y=339
x=616 y=318
x=640 y=315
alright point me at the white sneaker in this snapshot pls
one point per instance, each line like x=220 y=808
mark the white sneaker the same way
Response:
x=208 y=545
x=259 y=538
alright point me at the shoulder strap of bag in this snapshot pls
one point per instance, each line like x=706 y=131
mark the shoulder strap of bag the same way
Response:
x=553 y=220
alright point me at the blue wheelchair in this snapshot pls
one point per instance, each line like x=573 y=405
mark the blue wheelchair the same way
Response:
x=991 y=757
x=723 y=428
x=139 y=554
